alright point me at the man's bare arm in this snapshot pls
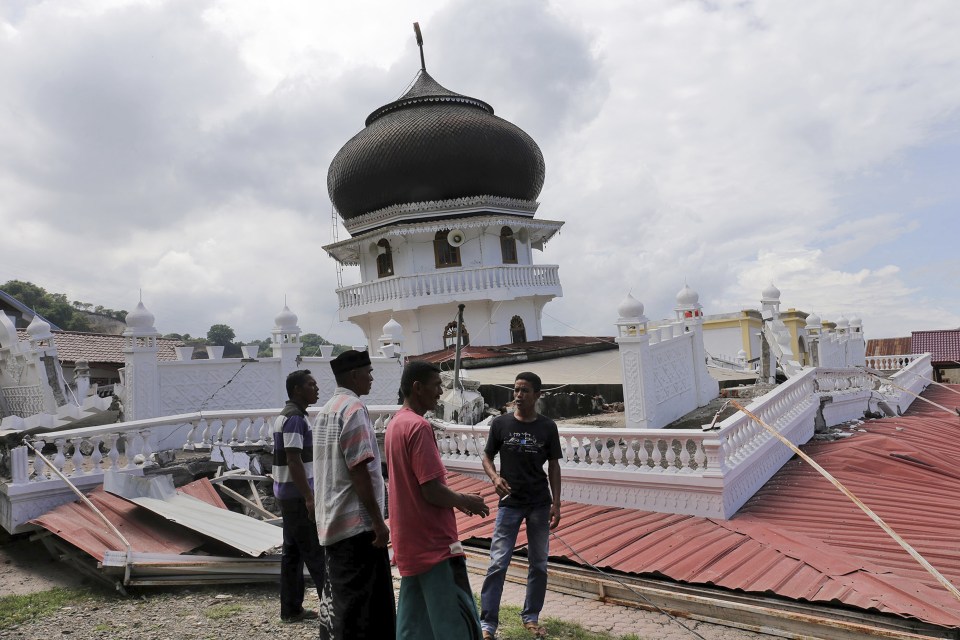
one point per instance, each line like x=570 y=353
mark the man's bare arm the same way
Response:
x=360 y=479
x=499 y=483
x=553 y=472
x=299 y=475
x=440 y=495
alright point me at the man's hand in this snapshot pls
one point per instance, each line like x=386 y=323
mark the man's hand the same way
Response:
x=472 y=504
x=502 y=486
x=554 y=515
x=381 y=534
x=311 y=508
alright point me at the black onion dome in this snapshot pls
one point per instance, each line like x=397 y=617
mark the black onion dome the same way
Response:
x=433 y=144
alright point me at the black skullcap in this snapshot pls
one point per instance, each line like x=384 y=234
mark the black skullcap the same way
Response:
x=349 y=360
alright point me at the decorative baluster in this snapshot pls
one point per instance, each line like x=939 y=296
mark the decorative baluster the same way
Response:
x=658 y=460
x=617 y=453
x=266 y=437
x=684 y=457
x=204 y=443
x=597 y=446
x=235 y=433
x=631 y=454
x=191 y=435
x=218 y=434
x=579 y=452
x=245 y=427
x=570 y=452
x=39 y=466
x=114 y=453
x=78 y=459
x=147 y=450
x=60 y=459
x=671 y=457
x=700 y=456
x=95 y=456
x=643 y=463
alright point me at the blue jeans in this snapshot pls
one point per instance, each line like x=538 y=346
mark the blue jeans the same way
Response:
x=501 y=549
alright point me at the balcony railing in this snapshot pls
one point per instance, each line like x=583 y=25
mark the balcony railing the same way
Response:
x=891 y=363
x=450 y=282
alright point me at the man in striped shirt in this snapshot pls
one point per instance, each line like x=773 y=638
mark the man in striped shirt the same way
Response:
x=293 y=489
x=350 y=506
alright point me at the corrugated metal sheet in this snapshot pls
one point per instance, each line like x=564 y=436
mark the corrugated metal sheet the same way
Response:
x=799 y=537
x=156 y=493
x=146 y=532
x=890 y=346
x=99 y=347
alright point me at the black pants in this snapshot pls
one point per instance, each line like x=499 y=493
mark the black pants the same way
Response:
x=301 y=547
x=361 y=587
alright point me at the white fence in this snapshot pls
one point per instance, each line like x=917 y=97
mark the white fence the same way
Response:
x=688 y=471
x=82 y=455
x=891 y=363
x=450 y=281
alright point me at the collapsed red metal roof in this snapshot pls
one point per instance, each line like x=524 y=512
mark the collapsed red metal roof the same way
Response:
x=798 y=537
x=145 y=531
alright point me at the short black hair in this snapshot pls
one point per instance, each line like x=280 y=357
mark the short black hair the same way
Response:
x=532 y=378
x=296 y=379
x=416 y=371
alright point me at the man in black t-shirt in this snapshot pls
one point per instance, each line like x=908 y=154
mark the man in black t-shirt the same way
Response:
x=525 y=441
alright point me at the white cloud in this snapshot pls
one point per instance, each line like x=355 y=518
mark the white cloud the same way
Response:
x=182 y=147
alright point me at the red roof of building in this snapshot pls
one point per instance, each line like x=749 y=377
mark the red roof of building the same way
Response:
x=943 y=346
x=549 y=347
x=799 y=537
x=99 y=347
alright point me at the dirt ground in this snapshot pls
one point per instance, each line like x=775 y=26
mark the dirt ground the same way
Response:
x=27 y=567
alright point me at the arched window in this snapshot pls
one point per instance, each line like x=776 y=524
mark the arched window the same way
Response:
x=450 y=335
x=518 y=333
x=508 y=246
x=384 y=259
x=445 y=254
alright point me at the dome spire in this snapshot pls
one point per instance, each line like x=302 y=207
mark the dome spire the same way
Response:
x=416 y=29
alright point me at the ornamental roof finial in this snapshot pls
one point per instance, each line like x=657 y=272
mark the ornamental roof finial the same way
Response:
x=416 y=29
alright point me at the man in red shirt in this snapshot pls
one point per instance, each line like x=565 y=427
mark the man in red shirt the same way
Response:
x=435 y=596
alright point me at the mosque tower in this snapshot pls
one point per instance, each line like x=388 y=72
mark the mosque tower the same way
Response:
x=439 y=195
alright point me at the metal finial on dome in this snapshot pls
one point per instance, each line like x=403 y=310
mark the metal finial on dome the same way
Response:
x=416 y=29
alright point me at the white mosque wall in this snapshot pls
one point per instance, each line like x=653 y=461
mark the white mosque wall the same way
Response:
x=231 y=384
x=841 y=349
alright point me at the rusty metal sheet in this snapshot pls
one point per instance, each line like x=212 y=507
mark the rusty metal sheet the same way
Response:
x=146 y=532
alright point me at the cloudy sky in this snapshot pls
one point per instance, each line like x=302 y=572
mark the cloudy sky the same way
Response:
x=181 y=147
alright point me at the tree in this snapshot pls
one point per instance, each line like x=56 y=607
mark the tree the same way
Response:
x=221 y=334
x=53 y=306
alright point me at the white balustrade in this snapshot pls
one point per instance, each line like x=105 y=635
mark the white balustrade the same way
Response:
x=449 y=282
x=891 y=363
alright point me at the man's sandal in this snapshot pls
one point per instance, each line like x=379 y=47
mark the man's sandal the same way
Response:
x=488 y=635
x=535 y=629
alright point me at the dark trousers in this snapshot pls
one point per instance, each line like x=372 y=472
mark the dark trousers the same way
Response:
x=361 y=587
x=301 y=547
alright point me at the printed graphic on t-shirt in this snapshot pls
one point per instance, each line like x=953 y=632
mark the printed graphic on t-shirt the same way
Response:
x=524 y=441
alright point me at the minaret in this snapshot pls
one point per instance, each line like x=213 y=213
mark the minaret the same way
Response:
x=285 y=338
x=634 y=343
x=439 y=197
x=140 y=376
x=690 y=312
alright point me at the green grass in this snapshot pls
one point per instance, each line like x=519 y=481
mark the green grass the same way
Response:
x=221 y=611
x=16 y=610
x=511 y=628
